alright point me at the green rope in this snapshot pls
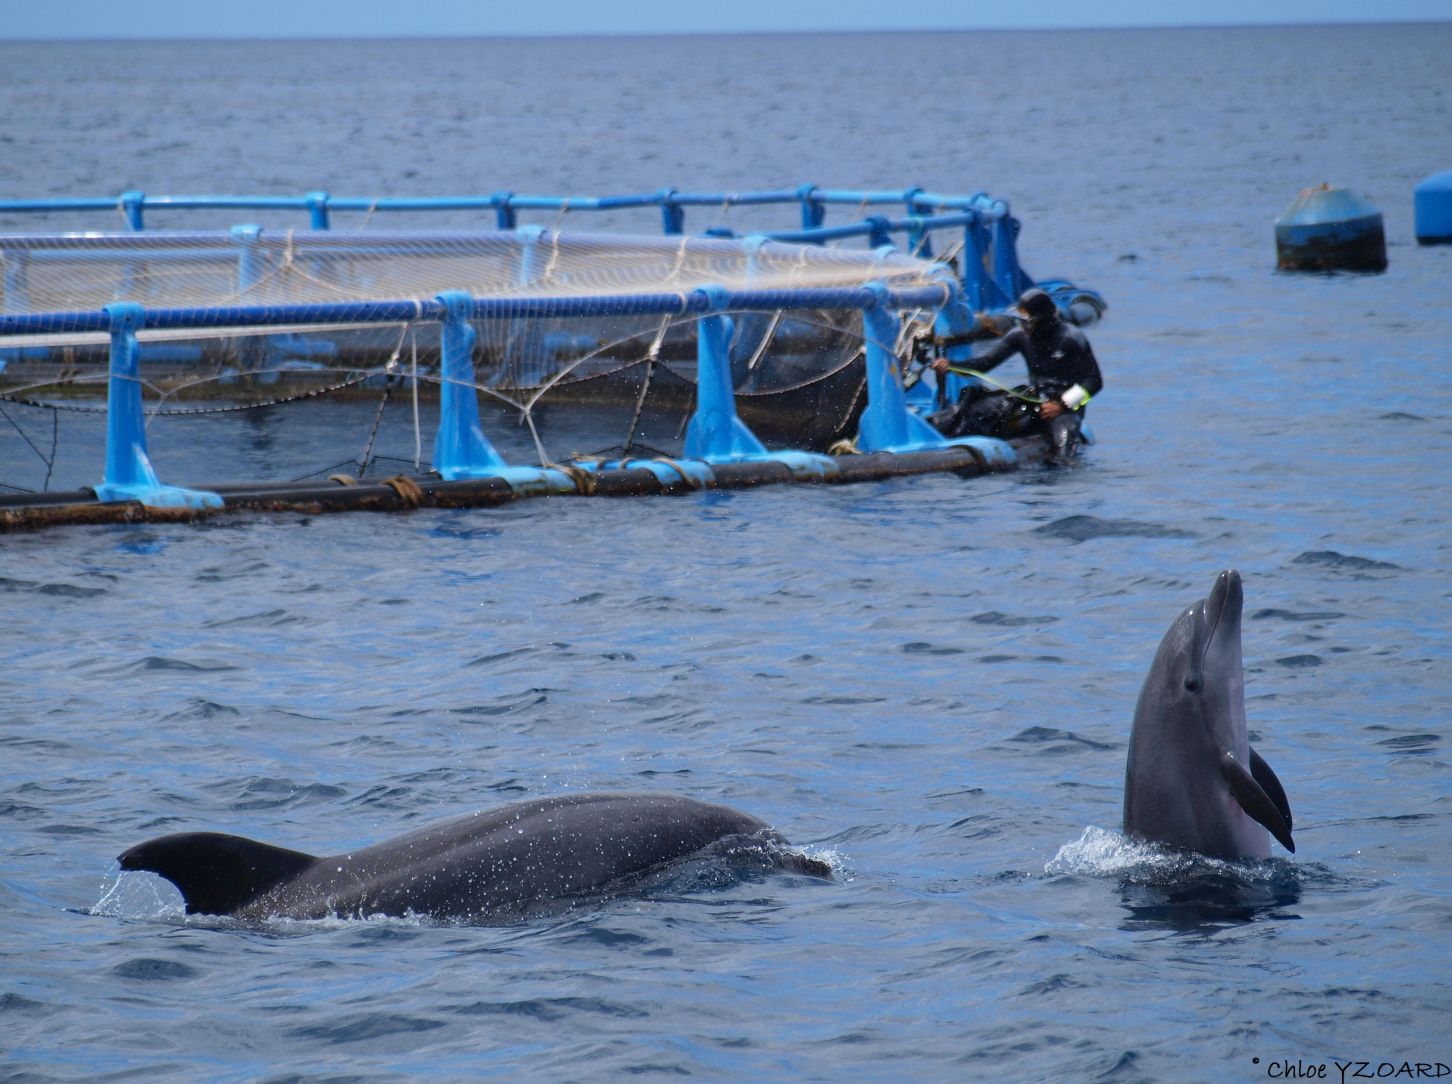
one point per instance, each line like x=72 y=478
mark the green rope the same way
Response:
x=994 y=383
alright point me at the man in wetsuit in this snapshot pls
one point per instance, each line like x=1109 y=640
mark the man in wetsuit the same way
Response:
x=1061 y=366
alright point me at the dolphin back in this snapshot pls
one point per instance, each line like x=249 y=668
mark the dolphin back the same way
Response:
x=217 y=874
x=516 y=856
x=482 y=864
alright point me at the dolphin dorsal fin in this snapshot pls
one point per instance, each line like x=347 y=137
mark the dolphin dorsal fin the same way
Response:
x=1262 y=773
x=1258 y=805
x=217 y=874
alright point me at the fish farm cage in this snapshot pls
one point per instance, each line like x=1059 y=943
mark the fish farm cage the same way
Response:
x=601 y=362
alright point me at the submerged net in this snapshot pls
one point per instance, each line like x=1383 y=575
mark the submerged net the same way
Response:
x=604 y=378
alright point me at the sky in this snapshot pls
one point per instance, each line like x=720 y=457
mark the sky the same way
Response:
x=69 y=19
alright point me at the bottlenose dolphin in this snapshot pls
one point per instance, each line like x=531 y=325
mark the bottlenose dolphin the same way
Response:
x=1192 y=780
x=481 y=864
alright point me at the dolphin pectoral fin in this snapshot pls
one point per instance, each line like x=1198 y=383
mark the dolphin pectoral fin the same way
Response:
x=217 y=874
x=1262 y=773
x=1255 y=801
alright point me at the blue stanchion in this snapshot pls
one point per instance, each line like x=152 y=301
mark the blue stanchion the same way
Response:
x=887 y=425
x=715 y=433
x=129 y=475
x=461 y=450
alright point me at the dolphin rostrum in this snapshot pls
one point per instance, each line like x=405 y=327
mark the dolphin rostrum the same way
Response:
x=481 y=864
x=1192 y=780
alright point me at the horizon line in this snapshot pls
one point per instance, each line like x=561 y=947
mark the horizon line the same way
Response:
x=721 y=32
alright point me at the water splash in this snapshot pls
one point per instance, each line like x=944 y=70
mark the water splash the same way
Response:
x=139 y=897
x=1182 y=892
x=1101 y=852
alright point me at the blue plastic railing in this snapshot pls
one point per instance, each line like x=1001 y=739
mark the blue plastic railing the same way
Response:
x=506 y=205
x=461 y=450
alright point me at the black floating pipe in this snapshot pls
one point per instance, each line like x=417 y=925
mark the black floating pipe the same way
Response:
x=34 y=511
x=31 y=500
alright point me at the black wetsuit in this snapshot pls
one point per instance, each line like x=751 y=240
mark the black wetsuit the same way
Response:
x=1058 y=357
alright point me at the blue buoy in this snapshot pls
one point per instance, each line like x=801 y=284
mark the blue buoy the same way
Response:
x=1329 y=229
x=1432 y=202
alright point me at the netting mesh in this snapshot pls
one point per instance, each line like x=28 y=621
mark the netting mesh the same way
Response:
x=74 y=272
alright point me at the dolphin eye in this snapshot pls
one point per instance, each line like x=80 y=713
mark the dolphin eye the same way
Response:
x=1192 y=684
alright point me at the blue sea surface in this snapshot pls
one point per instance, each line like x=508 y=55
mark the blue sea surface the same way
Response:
x=928 y=682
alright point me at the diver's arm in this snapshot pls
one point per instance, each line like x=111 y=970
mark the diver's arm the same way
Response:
x=1081 y=371
x=1086 y=367
x=1001 y=351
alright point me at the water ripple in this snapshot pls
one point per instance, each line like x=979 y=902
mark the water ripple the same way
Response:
x=1083 y=528
x=1342 y=562
x=150 y=969
x=366 y=1027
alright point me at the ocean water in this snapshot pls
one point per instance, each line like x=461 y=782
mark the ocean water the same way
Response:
x=927 y=681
